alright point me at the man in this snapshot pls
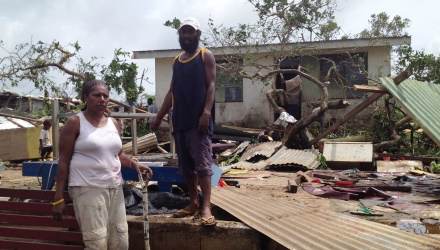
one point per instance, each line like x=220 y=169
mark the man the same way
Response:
x=191 y=96
x=151 y=106
x=45 y=143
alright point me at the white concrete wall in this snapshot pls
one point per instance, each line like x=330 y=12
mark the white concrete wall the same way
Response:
x=163 y=76
x=379 y=62
x=255 y=110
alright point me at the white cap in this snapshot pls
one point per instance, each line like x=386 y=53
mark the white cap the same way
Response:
x=190 y=21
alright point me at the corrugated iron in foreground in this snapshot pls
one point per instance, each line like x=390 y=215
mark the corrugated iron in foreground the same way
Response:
x=265 y=149
x=421 y=101
x=286 y=156
x=296 y=226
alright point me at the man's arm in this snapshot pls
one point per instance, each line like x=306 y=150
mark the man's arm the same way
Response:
x=164 y=109
x=210 y=90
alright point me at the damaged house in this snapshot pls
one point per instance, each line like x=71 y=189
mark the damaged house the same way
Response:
x=243 y=101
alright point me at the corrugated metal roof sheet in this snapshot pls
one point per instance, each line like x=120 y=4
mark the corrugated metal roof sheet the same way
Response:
x=285 y=156
x=265 y=149
x=260 y=165
x=421 y=101
x=12 y=123
x=297 y=226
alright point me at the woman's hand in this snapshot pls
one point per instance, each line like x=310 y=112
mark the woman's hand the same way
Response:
x=57 y=210
x=146 y=172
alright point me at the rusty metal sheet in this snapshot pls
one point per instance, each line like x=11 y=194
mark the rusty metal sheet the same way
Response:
x=285 y=156
x=297 y=226
x=421 y=101
x=265 y=150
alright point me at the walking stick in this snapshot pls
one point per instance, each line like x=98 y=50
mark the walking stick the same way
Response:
x=144 y=186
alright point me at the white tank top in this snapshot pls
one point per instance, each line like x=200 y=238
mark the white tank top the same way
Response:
x=95 y=161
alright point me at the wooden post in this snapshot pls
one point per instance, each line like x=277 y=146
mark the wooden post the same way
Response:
x=55 y=128
x=134 y=132
x=30 y=105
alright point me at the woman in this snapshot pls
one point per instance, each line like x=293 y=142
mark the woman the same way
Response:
x=91 y=157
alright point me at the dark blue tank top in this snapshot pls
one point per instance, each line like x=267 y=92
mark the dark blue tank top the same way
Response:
x=189 y=93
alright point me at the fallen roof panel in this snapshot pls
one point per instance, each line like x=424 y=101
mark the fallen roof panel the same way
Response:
x=265 y=149
x=285 y=156
x=421 y=101
x=297 y=226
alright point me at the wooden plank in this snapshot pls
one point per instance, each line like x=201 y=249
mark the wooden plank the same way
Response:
x=36 y=220
x=370 y=89
x=32 y=207
x=134 y=133
x=20 y=245
x=125 y=105
x=41 y=234
x=131 y=115
x=55 y=128
x=31 y=194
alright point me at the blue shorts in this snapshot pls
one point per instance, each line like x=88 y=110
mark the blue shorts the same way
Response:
x=194 y=152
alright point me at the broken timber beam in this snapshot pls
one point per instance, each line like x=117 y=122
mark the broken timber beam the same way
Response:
x=335 y=104
x=372 y=98
x=403 y=121
x=126 y=106
x=369 y=88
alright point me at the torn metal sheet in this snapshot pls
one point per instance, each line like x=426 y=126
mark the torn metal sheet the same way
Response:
x=296 y=226
x=264 y=150
x=421 y=101
x=237 y=151
x=13 y=123
x=260 y=165
x=285 y=156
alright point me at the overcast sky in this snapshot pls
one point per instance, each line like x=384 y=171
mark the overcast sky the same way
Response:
x=100 y=26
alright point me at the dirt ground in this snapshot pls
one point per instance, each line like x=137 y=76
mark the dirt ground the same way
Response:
x=12 y=177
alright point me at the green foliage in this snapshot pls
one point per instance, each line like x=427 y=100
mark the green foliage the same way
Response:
x=120 y=75
x=382 y=25
x=412 y=139
x=289 y=20
x=34 y=62
x=435 y=167
x=329 y=30
x=425 y=66
x=280 y=21
x=174 y=24
x=37 y=62
x=231 y=160
x=322 y=161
